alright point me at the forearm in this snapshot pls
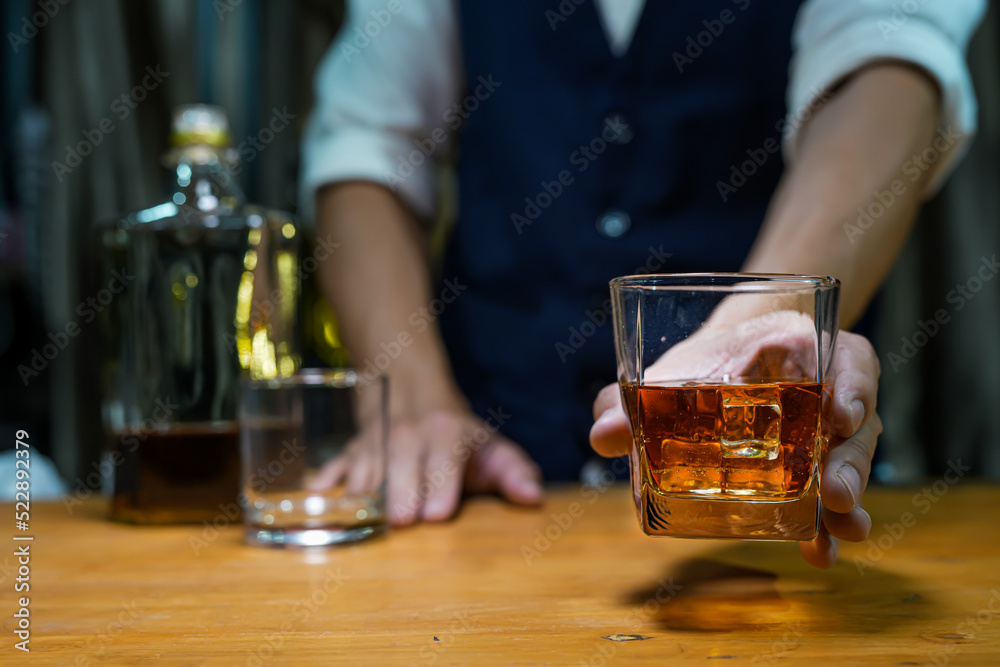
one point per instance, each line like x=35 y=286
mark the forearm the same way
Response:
x=378 y=280
x=860 y=143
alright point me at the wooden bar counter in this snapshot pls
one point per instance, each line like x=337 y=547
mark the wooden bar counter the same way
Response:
x=565 y=584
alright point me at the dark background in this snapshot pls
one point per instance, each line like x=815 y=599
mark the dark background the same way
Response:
x=63 y=66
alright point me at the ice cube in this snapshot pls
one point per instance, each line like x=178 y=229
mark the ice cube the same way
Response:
x=751 y=422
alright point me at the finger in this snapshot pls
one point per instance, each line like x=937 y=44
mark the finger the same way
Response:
x=331 y=474
x=501 y=466
x=609 y=397
x=363 y=459
x=821 y=552
x=443 y=472
x=362 y=473
x=855 y=387
x=848 y=465
x=610 y=435
x=405 y=462
x=853 y=526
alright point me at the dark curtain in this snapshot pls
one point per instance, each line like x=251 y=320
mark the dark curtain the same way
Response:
x=940 y=403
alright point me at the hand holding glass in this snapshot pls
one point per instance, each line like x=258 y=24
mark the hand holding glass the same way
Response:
x=725 y=379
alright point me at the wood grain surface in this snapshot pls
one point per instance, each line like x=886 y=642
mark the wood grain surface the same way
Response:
x=503 y=585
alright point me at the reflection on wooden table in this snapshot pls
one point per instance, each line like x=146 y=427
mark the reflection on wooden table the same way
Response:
x=575 y=582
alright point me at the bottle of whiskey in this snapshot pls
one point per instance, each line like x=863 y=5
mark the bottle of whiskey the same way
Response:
x=210 y=293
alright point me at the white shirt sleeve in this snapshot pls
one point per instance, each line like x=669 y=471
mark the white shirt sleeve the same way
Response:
x=832 y=38
x=383 y=90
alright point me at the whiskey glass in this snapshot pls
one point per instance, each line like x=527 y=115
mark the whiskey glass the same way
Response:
x=313 y=454
x=726 y=381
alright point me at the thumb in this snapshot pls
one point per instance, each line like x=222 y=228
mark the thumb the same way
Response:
x=502 y=467
x=610 y=435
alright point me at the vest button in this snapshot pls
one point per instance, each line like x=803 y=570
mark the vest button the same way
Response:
x=614 y=224
x=620 y=129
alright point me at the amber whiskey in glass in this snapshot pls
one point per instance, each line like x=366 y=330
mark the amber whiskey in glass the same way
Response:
x=714 y=459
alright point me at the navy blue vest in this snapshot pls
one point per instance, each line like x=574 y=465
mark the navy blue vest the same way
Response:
x=579 y=167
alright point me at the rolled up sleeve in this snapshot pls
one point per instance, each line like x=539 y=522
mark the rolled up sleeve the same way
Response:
x=382 y=90
x=833 y=38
